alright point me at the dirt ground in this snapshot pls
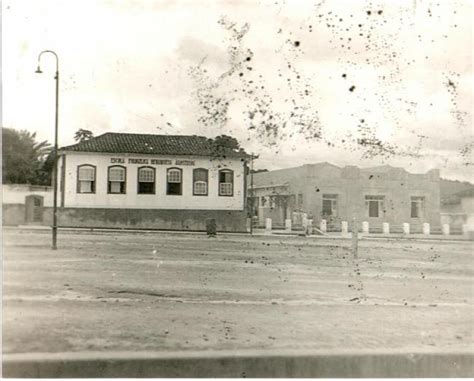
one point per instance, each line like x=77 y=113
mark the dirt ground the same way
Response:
x=171 y=291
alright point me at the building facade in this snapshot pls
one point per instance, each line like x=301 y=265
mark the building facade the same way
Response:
x=142 y=181
x=458 y=209
x=325 y=191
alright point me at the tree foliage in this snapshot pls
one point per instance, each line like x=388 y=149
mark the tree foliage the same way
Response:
x=25 y=161
x=82 y=135
x=226 y=141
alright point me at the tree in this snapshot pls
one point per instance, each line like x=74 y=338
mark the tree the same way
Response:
x=82 y=135
x=226 y=141
x=222 y=145
x=24 y=158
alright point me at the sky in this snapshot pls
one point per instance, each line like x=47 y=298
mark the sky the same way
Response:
x=362 y=83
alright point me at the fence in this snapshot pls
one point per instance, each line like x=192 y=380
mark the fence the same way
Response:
x=367 y=227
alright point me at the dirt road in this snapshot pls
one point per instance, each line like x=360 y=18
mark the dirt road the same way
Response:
x=156 y=291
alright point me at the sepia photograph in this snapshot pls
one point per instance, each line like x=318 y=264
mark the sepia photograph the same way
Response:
x=237 y=189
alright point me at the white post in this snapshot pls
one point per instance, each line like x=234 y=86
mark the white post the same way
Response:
x=445 y=229
x=386 y=228
x=406 y=228
x=288 y=225
x=365 y=227
x=465 y=229
x=426 y=228
x=268 y=225
x=309 y=227
x=344 y=227
x=323 y=226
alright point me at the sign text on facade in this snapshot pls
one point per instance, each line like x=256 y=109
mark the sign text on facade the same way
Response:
x=120 y=160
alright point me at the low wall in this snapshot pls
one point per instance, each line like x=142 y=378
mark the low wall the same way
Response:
x=16 y=193
x=13 y=214
x=160 y=219
x=251 y=364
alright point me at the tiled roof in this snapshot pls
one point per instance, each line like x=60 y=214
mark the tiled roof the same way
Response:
x=112 y=142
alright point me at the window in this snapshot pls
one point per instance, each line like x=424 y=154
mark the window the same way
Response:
x=417 y=207
x=146 y=180
x=226 y=182
x=299 y=201
x=174 y=182
x=374 y=205
x=116 y=180
x=86 y=179
x=200 y=181
x=329 y=205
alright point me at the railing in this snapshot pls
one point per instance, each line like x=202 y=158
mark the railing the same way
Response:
x=366 y=227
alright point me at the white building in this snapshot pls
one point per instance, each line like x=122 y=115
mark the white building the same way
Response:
x=151 y=182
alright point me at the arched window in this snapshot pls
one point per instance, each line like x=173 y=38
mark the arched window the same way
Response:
x=116 y=179
x=86 y=178
x=226 y=182
x=174 y=184
x=200 y=181
x=146 y=180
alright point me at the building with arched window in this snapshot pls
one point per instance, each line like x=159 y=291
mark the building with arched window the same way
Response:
x=141 y=181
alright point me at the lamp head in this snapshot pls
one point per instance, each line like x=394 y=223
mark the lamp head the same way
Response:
x=38 y=70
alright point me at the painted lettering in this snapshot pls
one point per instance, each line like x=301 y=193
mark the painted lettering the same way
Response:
x=161 y=161
x=184 y=162
x=117 y=160
x=138 y=161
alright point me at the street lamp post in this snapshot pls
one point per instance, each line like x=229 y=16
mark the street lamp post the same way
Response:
x=251 y=197
x=55 y=152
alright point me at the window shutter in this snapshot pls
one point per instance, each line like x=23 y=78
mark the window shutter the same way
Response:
x=116 y=174
x=86 y=174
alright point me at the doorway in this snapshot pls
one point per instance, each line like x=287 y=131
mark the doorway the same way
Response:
x=34 y=209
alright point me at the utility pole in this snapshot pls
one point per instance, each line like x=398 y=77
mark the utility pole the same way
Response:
x=251 y=196
x=355 y=237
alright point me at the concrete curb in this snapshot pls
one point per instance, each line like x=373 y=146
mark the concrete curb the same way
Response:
x=253 y=364
x=275 y=235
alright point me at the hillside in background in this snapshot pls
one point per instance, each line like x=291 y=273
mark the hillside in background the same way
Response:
x=451 y=187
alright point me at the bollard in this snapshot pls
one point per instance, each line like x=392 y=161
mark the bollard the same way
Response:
x=465 y=229
x=365 y=227
x=386 y=228
x=323 y=226
x=211 y=227
x=426 y=228
x=355 y=238
x=288 y=225
x=445 y=229
x=309 y=227
x=268 y=225
x=344 y=227
x=406 y=228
